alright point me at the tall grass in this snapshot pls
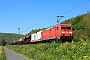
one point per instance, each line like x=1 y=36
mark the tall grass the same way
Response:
x=55 y=51
x=2 y=55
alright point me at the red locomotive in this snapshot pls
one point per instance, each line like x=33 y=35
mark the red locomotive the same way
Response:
x=60 y=32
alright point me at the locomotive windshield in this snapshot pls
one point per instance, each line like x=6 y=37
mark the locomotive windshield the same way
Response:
x=66 y=27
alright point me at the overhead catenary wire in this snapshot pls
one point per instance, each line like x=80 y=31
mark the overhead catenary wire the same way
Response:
x=19 y=32
x=25 y=30
x=76 y=7
x=70 y=10
x=49 y=21
x=63 y=13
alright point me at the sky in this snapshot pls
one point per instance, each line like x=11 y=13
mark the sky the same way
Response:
x=34 y=14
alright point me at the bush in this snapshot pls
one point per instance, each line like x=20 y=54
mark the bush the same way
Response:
x=3 y=42
x=3 y=55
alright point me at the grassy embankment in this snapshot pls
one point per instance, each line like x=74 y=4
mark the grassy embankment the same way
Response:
x=2 y=53
x=55 y=51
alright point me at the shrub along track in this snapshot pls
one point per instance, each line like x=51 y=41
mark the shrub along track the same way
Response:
x=0 y=50
x=55 y=51
x=2 y=54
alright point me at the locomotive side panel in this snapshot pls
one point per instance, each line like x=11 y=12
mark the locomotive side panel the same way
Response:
x=53 y=33
x=46 y=34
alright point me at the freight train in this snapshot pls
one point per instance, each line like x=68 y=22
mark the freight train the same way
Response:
x=58 y=33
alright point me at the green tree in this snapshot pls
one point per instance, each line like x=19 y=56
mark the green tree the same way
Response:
x=3 y=42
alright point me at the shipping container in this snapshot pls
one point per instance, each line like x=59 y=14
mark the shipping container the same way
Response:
x=33 y=37
x=38 y=35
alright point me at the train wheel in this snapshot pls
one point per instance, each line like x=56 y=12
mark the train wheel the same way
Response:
x=56 y=40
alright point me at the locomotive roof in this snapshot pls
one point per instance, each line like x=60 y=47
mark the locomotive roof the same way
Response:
x=56 y=25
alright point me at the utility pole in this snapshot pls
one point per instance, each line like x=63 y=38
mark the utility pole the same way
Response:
x=58 y=18
x=18 y=30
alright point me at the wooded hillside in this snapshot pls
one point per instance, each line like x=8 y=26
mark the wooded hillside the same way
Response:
x=9 y=36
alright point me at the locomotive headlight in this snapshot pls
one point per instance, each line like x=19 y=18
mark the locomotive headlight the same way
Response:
x=63 y=32
x=70 y=32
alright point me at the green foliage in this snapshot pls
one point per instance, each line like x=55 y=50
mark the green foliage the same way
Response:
x=55 y=51
x=9 y=37
x=75 y=21
x=3 y=42
x=3 y=55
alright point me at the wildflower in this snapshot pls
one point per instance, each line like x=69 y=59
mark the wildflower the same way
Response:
x=85 y=57
x=68 y=51
x=73 y=46
x=73 y=56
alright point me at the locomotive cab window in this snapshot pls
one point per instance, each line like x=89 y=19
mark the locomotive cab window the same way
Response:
x=63 y=27
x=57 y=28
x=66 y=27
